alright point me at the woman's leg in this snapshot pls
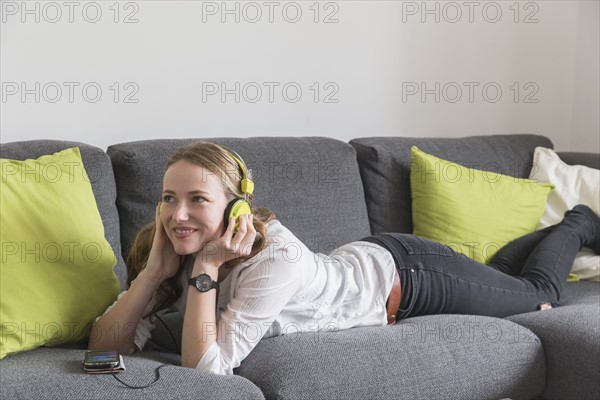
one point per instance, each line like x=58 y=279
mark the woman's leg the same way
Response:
x=551 y=260
x=511 y=258
x=437 y=280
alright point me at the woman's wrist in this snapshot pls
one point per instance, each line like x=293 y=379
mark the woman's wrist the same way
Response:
x=149 y=278
x=205 y=267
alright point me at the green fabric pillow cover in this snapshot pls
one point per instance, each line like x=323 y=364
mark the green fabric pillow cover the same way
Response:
x=476 y=212
x=56 y=267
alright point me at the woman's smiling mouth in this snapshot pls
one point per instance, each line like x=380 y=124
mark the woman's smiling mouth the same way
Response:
x=183 y=232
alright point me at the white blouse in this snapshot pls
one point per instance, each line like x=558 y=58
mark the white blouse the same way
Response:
x=287 y=288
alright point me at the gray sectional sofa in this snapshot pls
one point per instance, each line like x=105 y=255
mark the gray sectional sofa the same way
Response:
x=328 y=193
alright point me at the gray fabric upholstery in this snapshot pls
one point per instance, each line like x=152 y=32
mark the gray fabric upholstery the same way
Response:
x=431 y=357
x=99 y=170
x=577 y=293
x=385 y=168
x=365 y=362
x=56 y=373
x=312 y=184
x=570 y=335
x=591 y=160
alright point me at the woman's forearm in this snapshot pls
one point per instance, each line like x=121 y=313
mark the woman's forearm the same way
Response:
x=199 y=322
x=116 y=329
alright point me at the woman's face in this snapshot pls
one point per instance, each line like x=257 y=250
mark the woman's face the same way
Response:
x=193 y=205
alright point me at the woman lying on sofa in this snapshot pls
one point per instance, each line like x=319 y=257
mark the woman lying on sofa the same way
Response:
x=206 y=236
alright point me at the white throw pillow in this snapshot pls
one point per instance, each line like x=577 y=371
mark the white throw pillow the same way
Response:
x=573 y=184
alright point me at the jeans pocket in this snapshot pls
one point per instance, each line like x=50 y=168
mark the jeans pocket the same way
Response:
x=410 y=279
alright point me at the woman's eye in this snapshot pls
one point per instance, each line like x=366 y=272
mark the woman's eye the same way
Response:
x=167 y=199
x=198 y=199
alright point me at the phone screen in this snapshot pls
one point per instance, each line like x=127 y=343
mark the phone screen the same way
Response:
x=101 y=359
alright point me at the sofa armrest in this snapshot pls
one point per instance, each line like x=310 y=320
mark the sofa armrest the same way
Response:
x=591 y=160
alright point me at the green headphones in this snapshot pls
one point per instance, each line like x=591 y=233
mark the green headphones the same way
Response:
x=239 y=206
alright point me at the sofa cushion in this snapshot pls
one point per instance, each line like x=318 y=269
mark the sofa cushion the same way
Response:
x=54 y=250
x=99 y=170
x=570 y=335
x=591 y=160
x=312 y=184
x=474 y=211
x=430 y=357
x=57 y=373
x=385 y=168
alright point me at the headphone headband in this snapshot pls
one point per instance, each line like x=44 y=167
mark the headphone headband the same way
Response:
x=247 y=185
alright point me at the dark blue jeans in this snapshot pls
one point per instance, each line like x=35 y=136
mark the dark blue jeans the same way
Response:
x=525 y=273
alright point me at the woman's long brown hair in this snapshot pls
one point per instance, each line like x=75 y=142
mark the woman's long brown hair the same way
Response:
x=219 y=162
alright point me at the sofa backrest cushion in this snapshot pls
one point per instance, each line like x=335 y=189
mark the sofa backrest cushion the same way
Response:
x=591 y=160
x=99 y=170
x=385 y=168
x=312 y=184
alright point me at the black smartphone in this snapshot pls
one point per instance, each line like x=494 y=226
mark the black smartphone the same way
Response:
x=100 y=359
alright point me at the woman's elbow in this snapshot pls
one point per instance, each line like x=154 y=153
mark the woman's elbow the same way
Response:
x=98 y=342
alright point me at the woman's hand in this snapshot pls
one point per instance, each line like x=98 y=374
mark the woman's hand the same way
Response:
x=163 y=261
x=229 y=246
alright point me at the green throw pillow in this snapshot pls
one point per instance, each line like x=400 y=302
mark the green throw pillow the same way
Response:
x=476 y=212
x=56 y=267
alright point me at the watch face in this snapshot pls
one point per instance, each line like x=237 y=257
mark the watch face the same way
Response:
x=204 y=283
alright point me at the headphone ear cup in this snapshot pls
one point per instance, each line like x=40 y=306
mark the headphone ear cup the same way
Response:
x=234 y=209
x=227 y=214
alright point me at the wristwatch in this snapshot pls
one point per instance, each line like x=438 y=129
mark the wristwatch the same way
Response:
x=203 y=283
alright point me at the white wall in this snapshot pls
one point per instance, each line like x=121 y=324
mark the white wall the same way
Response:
x=368 y=62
